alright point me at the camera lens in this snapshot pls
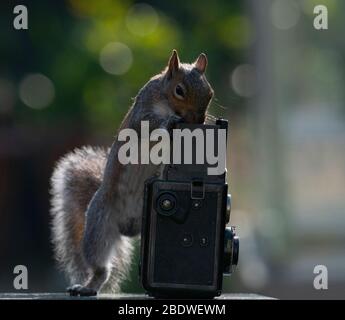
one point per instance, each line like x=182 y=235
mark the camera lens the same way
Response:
x=166 y=204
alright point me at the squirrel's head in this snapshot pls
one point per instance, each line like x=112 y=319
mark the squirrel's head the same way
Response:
x=187 y=89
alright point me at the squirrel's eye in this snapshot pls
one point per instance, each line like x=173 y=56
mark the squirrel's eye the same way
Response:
x=179 y=93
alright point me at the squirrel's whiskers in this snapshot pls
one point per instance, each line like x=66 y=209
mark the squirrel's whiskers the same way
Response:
x=96 y=202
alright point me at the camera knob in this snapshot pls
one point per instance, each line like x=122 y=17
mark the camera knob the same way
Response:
x=228 y=208
x=231 y=250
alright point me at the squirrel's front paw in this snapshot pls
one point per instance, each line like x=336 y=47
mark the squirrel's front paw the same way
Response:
x=79 y=290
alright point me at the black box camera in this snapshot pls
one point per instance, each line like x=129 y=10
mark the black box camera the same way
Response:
x=185 y=245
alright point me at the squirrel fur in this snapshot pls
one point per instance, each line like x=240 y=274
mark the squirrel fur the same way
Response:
x=96 y=202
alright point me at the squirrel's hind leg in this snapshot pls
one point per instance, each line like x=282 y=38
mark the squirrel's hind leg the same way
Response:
x=76 y=178
x=105 y=250
x=107 y=279
x=120 y=265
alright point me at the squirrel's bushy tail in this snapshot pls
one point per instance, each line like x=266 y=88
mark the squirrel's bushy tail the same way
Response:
x=76 y=178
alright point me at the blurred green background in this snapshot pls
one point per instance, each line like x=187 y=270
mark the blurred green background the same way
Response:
x=69 y=79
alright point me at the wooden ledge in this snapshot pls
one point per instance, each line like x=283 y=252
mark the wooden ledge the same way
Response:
x=64 y=296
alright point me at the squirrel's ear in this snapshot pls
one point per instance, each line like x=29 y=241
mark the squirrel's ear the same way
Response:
x=174 y=64
x=201 y=63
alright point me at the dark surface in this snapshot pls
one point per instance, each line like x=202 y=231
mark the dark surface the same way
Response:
x=64 y=296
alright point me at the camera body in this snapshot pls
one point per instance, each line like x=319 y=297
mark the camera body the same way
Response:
x=185 y=245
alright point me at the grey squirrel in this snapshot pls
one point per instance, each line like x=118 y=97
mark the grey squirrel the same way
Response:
x=96 y=202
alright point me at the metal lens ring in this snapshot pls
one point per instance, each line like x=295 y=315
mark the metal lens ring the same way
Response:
x=166 y=204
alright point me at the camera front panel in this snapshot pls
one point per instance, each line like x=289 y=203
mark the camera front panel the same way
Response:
x=185 y=238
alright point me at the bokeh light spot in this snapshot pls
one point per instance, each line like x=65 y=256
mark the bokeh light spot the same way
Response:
x=116 y=58
x=36 y=91
x=142 y=19
x=243 y=80
x=285 y=14
x=236 y=31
